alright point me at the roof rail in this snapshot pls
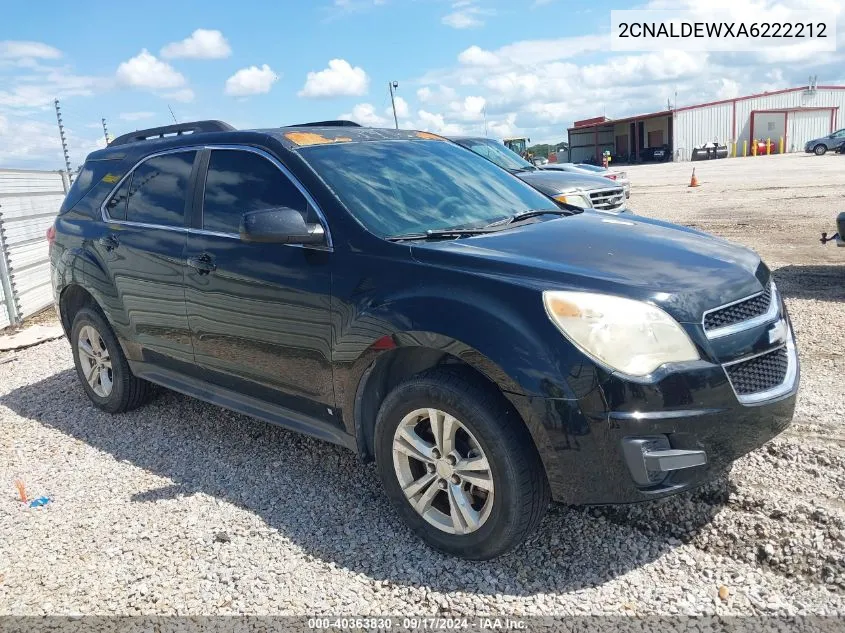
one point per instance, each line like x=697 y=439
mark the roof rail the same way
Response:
x=336 y=123
x=176 y=129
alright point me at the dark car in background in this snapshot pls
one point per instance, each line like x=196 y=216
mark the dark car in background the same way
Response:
x=820 y=146
x=579 y=189
x=658 y=153
x=391 y=292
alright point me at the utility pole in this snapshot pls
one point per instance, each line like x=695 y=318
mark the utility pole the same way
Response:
x=62 y=136
x=392 y=85
x=106 y=131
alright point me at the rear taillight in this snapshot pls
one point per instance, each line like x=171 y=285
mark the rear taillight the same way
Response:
x=51 y=235
x=611 y=176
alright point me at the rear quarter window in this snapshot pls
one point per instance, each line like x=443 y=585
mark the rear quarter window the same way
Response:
x=92 y=173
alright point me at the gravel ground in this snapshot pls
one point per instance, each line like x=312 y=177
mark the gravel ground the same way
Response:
x=184 y=508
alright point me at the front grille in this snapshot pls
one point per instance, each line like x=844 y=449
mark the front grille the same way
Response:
x=738 y=312
x=607 y=199
x=760 y=373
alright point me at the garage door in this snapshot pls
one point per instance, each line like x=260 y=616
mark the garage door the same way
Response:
x=805 y=125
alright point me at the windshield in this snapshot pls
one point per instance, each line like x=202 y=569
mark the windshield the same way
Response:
x=406 y=187
x=497 y=153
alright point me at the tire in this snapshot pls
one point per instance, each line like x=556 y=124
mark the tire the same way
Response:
x=820 y=149
x=518 y=493
x=91 y=332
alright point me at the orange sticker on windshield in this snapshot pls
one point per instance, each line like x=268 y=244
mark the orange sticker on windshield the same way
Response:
x=430 y=136
x=310 y=138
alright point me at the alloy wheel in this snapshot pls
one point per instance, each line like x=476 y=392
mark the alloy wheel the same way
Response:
x=95 y=361
x=443 y=471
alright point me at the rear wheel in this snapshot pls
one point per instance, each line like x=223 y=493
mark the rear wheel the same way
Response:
x=820 y=149
x=101 y=365
x=458 y=465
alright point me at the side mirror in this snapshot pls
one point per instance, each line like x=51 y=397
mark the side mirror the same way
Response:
x=281 y=225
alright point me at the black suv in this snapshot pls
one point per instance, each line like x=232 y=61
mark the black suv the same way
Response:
x=391 y=292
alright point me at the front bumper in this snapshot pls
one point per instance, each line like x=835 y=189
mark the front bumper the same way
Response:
x=585 y=453
x=628 y=441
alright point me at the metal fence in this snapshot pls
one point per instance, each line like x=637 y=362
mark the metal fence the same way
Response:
x=29 y=201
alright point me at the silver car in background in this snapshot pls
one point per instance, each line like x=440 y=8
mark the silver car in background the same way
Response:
x=619 y=177
x=583 y=189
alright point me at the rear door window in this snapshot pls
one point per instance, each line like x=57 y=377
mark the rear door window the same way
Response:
x=239 y=182
x=159 y=189
x=116 y=206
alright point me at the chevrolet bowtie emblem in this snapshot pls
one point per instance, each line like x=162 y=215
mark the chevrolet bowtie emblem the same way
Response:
x=778 y=332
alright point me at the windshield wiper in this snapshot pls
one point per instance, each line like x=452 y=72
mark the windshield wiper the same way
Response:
x=533 y=213
x=438 y=233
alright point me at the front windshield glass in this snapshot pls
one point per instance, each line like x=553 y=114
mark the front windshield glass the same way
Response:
x=498 y=153
x=408 y=187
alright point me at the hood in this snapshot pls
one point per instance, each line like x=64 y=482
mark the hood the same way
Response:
x=553 y=182
x=684 y=271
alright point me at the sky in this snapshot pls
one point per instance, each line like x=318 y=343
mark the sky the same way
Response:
x=496 y=67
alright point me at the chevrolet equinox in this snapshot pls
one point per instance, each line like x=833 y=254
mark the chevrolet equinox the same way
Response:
x=387 y=290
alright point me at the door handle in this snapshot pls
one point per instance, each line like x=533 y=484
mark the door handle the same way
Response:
x=109 y=242
x=203 y=263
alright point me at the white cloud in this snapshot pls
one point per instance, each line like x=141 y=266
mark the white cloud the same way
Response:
x=476 y=56
x=38 y=91
x=146 y=71
x=339 y=79
x=442 y=94
x=251 y=81
x=532 y=52
x=470 y=109
x=366 y=115
x=202 y=44
x=432 y=122
x=185 y=95
x=537 y=88
x=11 y=49
x=729 y=89
x=503 y=128
x=402 y=109
x=34 y=143
x=466 y=14
x=136 y=116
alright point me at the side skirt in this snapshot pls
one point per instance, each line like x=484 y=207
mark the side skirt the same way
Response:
x=242 y=403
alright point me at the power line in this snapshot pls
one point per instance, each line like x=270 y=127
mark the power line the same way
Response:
x=171 y=113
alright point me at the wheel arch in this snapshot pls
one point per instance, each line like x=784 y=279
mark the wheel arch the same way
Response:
x=393 y=359
x=82 y=279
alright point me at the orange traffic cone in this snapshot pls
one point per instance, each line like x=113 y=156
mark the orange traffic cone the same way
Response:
x=693 y=181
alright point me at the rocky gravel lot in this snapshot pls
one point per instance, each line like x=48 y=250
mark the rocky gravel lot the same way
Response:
x=184 y=508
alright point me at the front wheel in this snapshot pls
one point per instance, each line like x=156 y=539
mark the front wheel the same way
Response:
x=820 y=149
x=459 y=465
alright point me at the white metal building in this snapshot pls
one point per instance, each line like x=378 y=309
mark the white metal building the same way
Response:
x=29 y=202
x=796 y=114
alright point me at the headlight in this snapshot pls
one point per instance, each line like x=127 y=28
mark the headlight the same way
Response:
x=574 y=199
x=626 y=335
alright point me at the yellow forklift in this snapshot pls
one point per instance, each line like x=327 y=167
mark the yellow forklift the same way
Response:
x=518 y=145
